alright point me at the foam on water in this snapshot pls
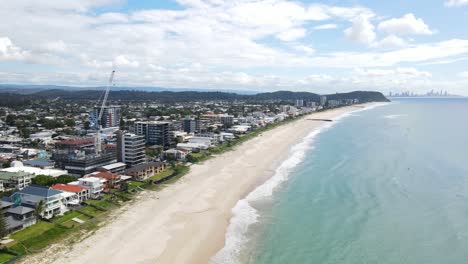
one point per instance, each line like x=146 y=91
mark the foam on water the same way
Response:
x=244 y=214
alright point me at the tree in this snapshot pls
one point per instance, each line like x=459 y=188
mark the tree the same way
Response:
x=25 y=133
x=6 y=164
x=44 y=180
x=122 y=124
x=65 y=179
x=10 y=120
x=70 y=122
x=39 y=208
x=87 y=125
x=3 y=225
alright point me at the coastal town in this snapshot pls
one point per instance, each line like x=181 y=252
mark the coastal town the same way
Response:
x=66 y=164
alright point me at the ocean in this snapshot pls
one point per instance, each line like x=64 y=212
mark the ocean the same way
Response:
x=384 y=185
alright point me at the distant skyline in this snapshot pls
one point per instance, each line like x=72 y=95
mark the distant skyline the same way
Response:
x=269 y=45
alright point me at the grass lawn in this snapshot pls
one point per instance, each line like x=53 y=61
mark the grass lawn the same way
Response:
x=39 y=242
x=67 y=217
x=4 y=257
x=161 y=175
x=101 y=203
x=134 y=185
x=32 y=231
x=90 y=210
x=36 y=237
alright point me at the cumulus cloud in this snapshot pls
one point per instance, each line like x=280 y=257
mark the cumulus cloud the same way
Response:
x=406 y=25
x=391 y=42
x=206 y=43
x=362 y=30
x=455 y=3
x=9 y=51
x=409 y=72
x=326 y=26
x=292 y=34
x=304 y=49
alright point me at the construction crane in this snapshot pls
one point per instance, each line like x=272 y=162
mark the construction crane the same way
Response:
x=97 y=142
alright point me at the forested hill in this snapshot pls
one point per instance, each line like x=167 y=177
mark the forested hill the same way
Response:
x=11 y=98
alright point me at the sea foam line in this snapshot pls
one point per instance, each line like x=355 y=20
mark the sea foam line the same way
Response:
x=244 y=214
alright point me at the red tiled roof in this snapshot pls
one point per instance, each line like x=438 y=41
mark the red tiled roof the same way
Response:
x=67 y=188
x=107 y=175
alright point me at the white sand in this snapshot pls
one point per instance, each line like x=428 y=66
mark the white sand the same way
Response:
x=186 y=222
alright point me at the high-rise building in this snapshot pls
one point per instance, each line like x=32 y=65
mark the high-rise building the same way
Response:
x=130 y=148
x=299 y=103
x=191 y=125
x=78 y=156
x=323 y=100
x=154 y=132
x=110 y=117
x=227 y=120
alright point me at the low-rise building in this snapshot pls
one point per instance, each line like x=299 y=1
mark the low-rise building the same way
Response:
x=146 y=170
x=112 y=179
x=35 y=170
x=93 y=184
x=18 y=218
x=81 y=192
x=15 y=180
x=31 y=196
x=176 y=154
x=118 y=167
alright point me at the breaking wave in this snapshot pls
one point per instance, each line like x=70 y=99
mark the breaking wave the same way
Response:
x=244 y=214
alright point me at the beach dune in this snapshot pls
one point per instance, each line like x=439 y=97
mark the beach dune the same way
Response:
x=186 y=221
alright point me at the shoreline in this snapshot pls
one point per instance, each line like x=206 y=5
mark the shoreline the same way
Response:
x=186 y=222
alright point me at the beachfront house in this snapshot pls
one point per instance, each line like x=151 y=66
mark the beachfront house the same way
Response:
x=143 y=171
x=176 y=154
x=81 y=192
x=31 y=196
x=17 y=218
x=95 y=185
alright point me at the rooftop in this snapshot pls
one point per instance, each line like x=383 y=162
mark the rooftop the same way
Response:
x=67 y=188
x=37 y=190
x=7 y=175
x=107 y=175
x=114 y=166
x=144 y=166
x=19 y=210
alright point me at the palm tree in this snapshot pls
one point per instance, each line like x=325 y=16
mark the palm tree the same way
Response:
x=39 y=208
x=3 y=225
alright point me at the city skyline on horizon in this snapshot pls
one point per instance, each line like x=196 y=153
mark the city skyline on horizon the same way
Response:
x=245 y=45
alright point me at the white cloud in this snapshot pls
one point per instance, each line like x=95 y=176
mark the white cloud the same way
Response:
x=391 y=42
x=8 y=51
x=411 y=54
x=454 y=3
x=55 y=46
x=463 y=74
x=122 y=61
x=206 y=43
x=292 y=34
x=361 y=30
x=406 y=25
x=408 y=72
x=304 y=49
x=326 y=26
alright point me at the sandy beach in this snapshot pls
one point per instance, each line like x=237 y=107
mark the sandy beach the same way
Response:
x=186 y=222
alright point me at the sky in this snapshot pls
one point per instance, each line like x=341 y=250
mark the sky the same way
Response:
x=257 y=45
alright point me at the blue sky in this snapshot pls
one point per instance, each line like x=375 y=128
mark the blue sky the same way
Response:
x=261 y=45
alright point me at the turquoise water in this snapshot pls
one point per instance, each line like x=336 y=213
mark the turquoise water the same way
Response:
x=385 y=185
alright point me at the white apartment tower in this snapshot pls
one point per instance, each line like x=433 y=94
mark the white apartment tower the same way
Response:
x=130 y=148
